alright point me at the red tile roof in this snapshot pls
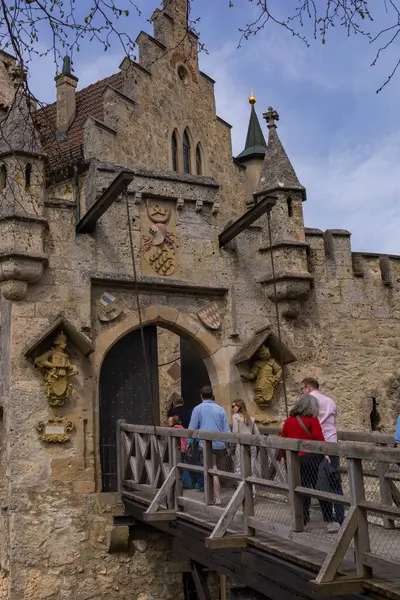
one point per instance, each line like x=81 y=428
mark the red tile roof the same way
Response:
x=89 y=103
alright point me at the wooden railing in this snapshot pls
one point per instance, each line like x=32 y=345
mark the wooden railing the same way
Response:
x=150 y=461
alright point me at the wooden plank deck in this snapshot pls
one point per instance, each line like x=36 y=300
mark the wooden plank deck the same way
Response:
x=363 y=555
x=306 y=549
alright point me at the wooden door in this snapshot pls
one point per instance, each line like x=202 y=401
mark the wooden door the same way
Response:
x=124 y=394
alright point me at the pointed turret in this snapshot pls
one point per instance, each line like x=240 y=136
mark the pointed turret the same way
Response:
x=289 y=283
x=255 y=142
x=22 y=189
x=253 y=154
x=19 y=135
x=277 y=172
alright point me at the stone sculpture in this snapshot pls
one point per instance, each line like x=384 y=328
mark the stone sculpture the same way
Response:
x=57 y=370
x=265 y=374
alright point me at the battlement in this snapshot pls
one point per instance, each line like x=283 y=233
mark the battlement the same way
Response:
x=330 y=251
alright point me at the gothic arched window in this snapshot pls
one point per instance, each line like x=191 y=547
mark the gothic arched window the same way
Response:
x=186 y=152
x=3 y=177
x=174 y=148
x=199 y=166
x=28 y=173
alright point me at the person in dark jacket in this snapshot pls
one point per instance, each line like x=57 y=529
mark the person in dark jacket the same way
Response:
x=178 y=409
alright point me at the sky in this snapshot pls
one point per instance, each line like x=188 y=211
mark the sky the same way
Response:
x=343 y=139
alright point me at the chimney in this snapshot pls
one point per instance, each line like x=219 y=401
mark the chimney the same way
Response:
x=66 y=104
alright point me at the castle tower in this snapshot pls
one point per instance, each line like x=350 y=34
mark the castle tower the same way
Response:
x=287 y=239
x=253 y=154
x=22 y=184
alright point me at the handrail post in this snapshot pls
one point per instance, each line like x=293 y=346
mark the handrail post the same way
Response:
x=386 y=493
x=207 y=465
x=176 y=458
x=357 y=495
x=295 y=500
x=120 y=456
x=246 y=471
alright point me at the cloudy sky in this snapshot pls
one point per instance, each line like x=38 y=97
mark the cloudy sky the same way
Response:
x=342 y=137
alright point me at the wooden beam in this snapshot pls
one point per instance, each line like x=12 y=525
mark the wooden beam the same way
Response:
x=336 y=554
x=395 y=492
x=246 y=220
x=200 y=581
x=295 y=501
x=380 y=509
x=161 y=515
x=340 y=587
x=386 y=564
x=88 y=223
x=227 y=541
x=228 y=514
x=162 y=493
x=361 y=537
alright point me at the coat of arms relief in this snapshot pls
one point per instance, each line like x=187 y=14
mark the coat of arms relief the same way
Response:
x=158 y=239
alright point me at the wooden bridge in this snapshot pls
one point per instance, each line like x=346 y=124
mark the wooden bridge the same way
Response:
x=257 y=536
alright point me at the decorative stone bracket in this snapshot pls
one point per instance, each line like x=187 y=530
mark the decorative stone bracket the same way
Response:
x=18 y=270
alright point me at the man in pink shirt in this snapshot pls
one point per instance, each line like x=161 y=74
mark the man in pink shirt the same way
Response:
x=327 y=413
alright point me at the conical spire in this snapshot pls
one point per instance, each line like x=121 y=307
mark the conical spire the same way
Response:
x=277 y=172
x=18 y=132
x=255 y=142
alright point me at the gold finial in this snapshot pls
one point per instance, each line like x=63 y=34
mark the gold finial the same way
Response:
x=252 y=98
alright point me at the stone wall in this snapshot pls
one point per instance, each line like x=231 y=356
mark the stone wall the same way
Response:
x=7 y=62
x=169 y=364
x=54 y=519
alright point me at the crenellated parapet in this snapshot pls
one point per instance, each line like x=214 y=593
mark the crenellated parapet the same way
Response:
x=330 y=256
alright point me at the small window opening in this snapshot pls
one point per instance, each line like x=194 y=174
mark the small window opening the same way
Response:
x=186 y=153
x=183 y=74
x=174 y=147
x=3 y=177
x=289 y=207
x=28 y=174
x=375 y=417
x=199 y=169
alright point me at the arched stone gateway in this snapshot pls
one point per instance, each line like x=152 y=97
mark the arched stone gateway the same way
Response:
x=123 y=386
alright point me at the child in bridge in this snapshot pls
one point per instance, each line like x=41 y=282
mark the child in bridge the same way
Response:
x=175 y=423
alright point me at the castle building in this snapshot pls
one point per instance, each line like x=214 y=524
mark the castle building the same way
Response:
x=116 y=290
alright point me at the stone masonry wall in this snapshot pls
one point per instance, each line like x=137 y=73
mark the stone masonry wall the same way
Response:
x=54 y=521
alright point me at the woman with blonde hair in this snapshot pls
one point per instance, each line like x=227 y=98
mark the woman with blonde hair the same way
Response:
x=243 y=423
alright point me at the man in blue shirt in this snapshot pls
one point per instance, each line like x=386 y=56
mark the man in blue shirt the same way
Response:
x=211 y=417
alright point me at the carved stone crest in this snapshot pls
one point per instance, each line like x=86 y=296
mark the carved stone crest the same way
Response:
x=158 y=239
x=108 y=308
x=55 y=430
x=57 y=370
x=210 y=317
